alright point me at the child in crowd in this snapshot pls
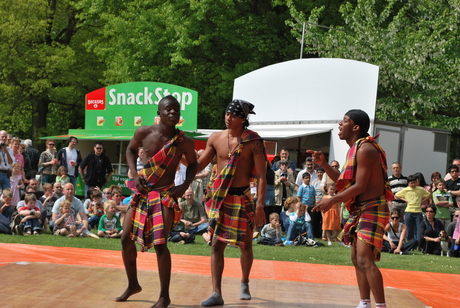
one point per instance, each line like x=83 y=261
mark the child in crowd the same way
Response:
x=6 y=211
x=307 y=192
x=299 y=224
x=31 y=214
x=117 y=197
x=109 y=224
x=65 y=223
x=95 y=209
x=331 y=218
x=413 y=195
x=271 y=232
x=47 y=200
x=443 y=201
x=289 y=207
x=107 y=193
x=16 y=182
x=62 y=176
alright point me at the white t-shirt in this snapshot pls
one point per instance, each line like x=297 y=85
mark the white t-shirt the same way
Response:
x=71 y=154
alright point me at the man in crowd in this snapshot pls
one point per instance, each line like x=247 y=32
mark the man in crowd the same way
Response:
x=57 y=190
x=308 y=168
x=364 y=188
x=455 y=162
x=34 y=157
x=284 y=154
x=193 y=216
x=155 y=200
x=397 y=182
x=70 y=158
x=76 y=206
x=98 y=168
x=453 y=185
x=240 y=154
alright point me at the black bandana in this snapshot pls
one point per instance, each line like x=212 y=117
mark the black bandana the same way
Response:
x=240 y=108
x=361 y=119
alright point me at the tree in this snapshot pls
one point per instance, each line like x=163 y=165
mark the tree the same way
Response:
x=414 y=42
x=202 y=45
x=44 y=69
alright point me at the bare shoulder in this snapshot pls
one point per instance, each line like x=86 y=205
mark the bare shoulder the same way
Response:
x=144 y=131
x=367 y=151
x=215 y=137
x=257 y=147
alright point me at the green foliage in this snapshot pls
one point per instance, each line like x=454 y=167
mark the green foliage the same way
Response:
x=415 y=44
x=203 y=45
x=44 y=69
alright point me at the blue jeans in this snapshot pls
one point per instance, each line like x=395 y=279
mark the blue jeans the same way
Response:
x=49 y=178
x=33 y=224
x=199 y=229
x=93 y=221
x=4 y=181
x=293 y=230
x=413 y=221
x=73 y=180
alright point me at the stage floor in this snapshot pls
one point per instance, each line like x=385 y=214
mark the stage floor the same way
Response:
x=39 y=276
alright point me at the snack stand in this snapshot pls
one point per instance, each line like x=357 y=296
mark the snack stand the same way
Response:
x=113 y=113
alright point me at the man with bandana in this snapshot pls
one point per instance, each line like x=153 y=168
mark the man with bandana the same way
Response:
x=363 y=186
x=241 y=157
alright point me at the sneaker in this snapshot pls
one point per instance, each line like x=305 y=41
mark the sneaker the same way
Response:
x=329 y=243
x=18 y=230
x=16 y=221
x=71 y=235
x=181 y=242
x=288 y=243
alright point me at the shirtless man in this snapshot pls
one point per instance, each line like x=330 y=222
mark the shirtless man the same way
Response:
x=241 y=152
x=363 y=186
x=156 y=138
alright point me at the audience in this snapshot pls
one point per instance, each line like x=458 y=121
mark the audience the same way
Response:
x=48 y=163
x=109 y=224
x=30 y=216
x=193 y=216
x=284 y=185
x=453 y=231
x=331 y=218
x=443 y=201
x=299 y=224
x=271 y=233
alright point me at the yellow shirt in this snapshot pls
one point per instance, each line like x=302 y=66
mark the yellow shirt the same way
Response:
x=413 y=197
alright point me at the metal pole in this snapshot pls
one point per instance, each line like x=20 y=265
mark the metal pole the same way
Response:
x=301 y=45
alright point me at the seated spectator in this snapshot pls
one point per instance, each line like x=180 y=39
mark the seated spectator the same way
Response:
x=271 y=232
x=109 y=224
x=34 y=183
x=429 y=239
x=6 y=211
x=95 y=209
x=181 y=236
x=299 y=224
x=395 y=233
x=194 y=217
x=57 y=190
x=48 y=200
x=443 y=201
x=30 y=216
x=30 y=190
x=289 y=207
x=65 y=224
x=117 y=197
x=453 y=231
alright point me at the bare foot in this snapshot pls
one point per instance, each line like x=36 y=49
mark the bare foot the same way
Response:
x=162 y=303
x=128 y=293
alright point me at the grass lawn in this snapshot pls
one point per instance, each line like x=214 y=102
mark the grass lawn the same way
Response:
x=332 y=255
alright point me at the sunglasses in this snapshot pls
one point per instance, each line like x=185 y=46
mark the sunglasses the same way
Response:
x=395 y=217
x=429 y=211
x=456 y=216
x=51 y=144
x=454 y=171
x=58 y=187
x=98 y=148
x=107 y=193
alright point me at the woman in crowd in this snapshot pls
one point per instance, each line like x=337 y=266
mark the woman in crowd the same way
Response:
x=428 y=232
x=48 y=163
x=435 y=176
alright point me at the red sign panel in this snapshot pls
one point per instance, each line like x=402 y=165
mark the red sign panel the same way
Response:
x=96 y=100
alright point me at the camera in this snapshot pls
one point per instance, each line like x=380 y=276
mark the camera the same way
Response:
x=2 y=144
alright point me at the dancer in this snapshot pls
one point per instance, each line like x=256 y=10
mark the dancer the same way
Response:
x=240 y=156
x=364 y=186
x=153 y=208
